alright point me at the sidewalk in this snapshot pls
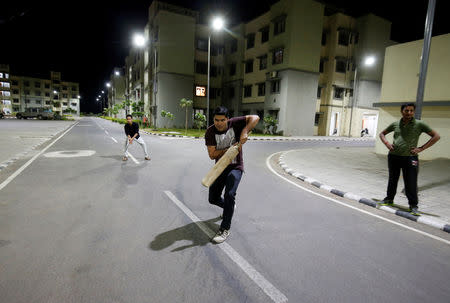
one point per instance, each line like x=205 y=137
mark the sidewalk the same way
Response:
x=358 y=173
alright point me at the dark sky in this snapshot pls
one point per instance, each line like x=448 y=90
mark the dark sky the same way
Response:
x=85 y=41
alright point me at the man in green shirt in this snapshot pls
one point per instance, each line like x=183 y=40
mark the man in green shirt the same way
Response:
x=403 y=154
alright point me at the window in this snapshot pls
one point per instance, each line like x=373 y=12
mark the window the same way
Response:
x=26 y=83
x=275 y=86
x=27 y=92
x=202 y=44
x=250 y=40
x=341 y=66
x=344 y=37
x=7 y=76
x=5 y=93
x=247 y=91
x=64 y=87
x=37 y=101
x=324 y=38
x=262 y=89
x=16 y=108
x=47 y=94
x=48 y=102
x=216 y=50
x=232 y=69
x=338 y=93
x=277 y=56
x=64 y=95
x=249 y=66
x=279 y=27
x=264 y=34
x=27 y=101
x=319 y=92
x=263 y=62
x=215 y=92
x=317 y=119
x=234 y=45
x=201 y=67
x=321 y=66
x=37 y=93
x=65 y=103
x=15 y=100
x=15 y=91
x=1 y=75
x=14 y=82
x=4 y=84
x=231 y=92
x=73 y=104
x=55 y=97
x=37 y=84
x=56 y=82
x=46 y=85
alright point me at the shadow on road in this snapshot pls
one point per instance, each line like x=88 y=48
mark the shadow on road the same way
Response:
x=189 y=232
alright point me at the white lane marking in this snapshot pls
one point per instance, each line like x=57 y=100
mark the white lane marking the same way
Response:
x=253 y=274
x=133 y=158
x=106 y=132
x=114 y=139
x=70 y=153
x=353 y=207
x=22 y=168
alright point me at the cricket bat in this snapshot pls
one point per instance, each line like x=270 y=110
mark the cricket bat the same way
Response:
x=220 y=166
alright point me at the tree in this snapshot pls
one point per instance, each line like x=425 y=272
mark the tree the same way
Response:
x=115 y=109
x=199 y=120
x=186 y=103
x=270 y=125
x=126 y=106
x=170 y=116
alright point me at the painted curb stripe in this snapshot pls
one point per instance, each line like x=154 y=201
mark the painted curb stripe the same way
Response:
x=368 y=202
x=337 y=192
x=407 y=215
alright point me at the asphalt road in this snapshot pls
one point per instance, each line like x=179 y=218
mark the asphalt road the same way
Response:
x=91 y=228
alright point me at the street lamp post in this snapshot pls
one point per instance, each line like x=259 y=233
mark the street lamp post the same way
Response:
x=217 y=25
x=368 y=61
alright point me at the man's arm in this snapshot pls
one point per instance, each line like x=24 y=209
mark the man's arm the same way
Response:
x=384 y=140
x=434 y=138
x=251 y=121
x=215 y=154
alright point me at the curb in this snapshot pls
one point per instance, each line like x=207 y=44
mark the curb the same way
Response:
x=369 y=202
x=18 y=156
x=269 y=139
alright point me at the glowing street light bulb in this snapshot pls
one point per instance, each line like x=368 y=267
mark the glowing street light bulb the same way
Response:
x=218 y=23
x=108 y=84
x=369 y=61
x=139 y=40
x=117 y=73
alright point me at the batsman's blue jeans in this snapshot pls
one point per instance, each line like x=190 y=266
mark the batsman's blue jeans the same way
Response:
x=229 y=179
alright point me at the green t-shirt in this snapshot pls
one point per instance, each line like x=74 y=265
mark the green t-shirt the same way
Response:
x=406 y=136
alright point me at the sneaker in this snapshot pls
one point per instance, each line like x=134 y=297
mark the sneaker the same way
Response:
x=414 y=211
x=147 y=158
x=387 y=202
x=124 y=159
x=221 y=236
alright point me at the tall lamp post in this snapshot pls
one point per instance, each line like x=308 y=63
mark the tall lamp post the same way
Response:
x=368 y=61
x=217 y=25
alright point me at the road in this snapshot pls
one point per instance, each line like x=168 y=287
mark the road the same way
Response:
x=91 y=228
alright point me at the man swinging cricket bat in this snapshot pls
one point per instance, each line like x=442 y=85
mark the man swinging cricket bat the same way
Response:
x=220 y=136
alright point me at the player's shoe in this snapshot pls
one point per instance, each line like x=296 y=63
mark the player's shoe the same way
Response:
x=124 y=158
x=221 y=236
x=147 y=158
x=414 y=211
x=387 y=202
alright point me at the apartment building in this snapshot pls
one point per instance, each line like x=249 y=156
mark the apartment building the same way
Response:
x=29 y=93
x=293 y=63
x=5 y=90
x=117 y=90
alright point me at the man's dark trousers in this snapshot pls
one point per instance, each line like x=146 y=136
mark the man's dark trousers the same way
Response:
x=410 y=168
x=229 y=179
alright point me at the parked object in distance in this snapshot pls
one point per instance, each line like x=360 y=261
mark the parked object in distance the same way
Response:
x=38 y=113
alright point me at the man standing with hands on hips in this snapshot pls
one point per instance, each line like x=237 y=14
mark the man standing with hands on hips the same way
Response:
x=132 y=132
x=403 y=154
x=223 y=134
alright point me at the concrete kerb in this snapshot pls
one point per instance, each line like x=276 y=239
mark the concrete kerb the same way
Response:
x=268 y=138
x=369 y=202
x=18 y=156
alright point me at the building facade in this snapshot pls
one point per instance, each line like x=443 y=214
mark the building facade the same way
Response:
x=292 y=63
x=399 y=85
x=28 y=93
x=5 y=90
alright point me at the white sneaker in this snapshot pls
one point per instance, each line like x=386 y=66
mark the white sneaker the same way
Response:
x=221 y=236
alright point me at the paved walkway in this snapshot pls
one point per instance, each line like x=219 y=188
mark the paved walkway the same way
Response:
x=360 y=172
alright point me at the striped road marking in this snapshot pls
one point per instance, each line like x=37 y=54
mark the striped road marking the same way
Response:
x=251 y=272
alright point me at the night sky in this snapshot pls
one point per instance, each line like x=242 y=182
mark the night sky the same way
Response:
x=85 y=41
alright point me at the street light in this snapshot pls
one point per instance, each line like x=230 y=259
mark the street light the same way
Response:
x=108 y=84
x=368 y=61
x=139 y=40
x=217 y=24
x=117 y=73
